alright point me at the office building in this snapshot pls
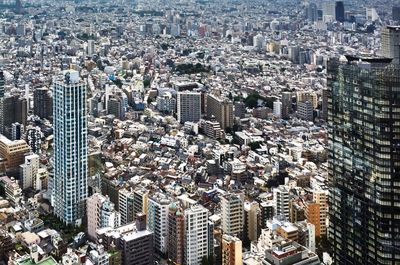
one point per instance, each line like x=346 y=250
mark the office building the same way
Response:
x=231 y=250
x=176 y=233
x=363 y=164
x=311 y=12
x=232 y=214
x=324 y=110
x=188 y=106
x=329 y=10
x=196 y=241
x=133 y=240
x=391 y=43
x=158 y=205
x=43 y=103
x=70 y=147
x=100 y=213
x=305 y=111
x=29 y=171
x=339 y=11
x=13 y=152
x=396 y=13
x=116 y=107
x=281 y=201
x=14 y=110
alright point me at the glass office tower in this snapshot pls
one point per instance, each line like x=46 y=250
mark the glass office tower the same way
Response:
x=364 y=161
x=70 y=148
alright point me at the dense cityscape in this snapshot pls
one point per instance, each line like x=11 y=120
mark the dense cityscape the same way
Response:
x=199 y=132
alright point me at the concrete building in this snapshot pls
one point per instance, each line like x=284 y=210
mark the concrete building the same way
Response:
x=305 y=111
x=100 y=213
x=251 y=220
x=70 y=147
x=158 y=205
x=221 y=110
x=290 y=253
x=126 y=202
x=133 y=241
x=15 y=109
x=196 y=242
x=176 y=233
x=277 y=109
x=188 y=106
x=231 y=250
x=34 y=139
x=286 y=104
x=13 y=152
x=29 y=171
x=232 y=214
x=281 y=201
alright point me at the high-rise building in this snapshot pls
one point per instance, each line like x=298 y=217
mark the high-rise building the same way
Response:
x=158 y=205
x=339 y=11
x=324 y=110
x=251 y=225
x=266 y=213
x=14 y=110
x=70 y=147
x=91 y=48
x=29 y=171
x=396 y=13
x=286 y=104
x=391 y=43
x=176 y=233
x=43 y=103
x=100 y=213
x=312 y=12
x=305 y=111
x=277 y=109
x=329 y=10
x=281 y=201
x=232 y=214
x=2 y=92
x=196 y=241
x=364 y=161
x=188 y=106
x=125 y=202
x=231 y=250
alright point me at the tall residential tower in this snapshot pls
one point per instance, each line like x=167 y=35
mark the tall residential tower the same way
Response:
x=70 y=147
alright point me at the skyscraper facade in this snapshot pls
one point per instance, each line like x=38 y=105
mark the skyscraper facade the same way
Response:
x=364 y=161
x=339 y=11
x=70 y=147
x=391 y=43
x=2 y=91
x=396 y=13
